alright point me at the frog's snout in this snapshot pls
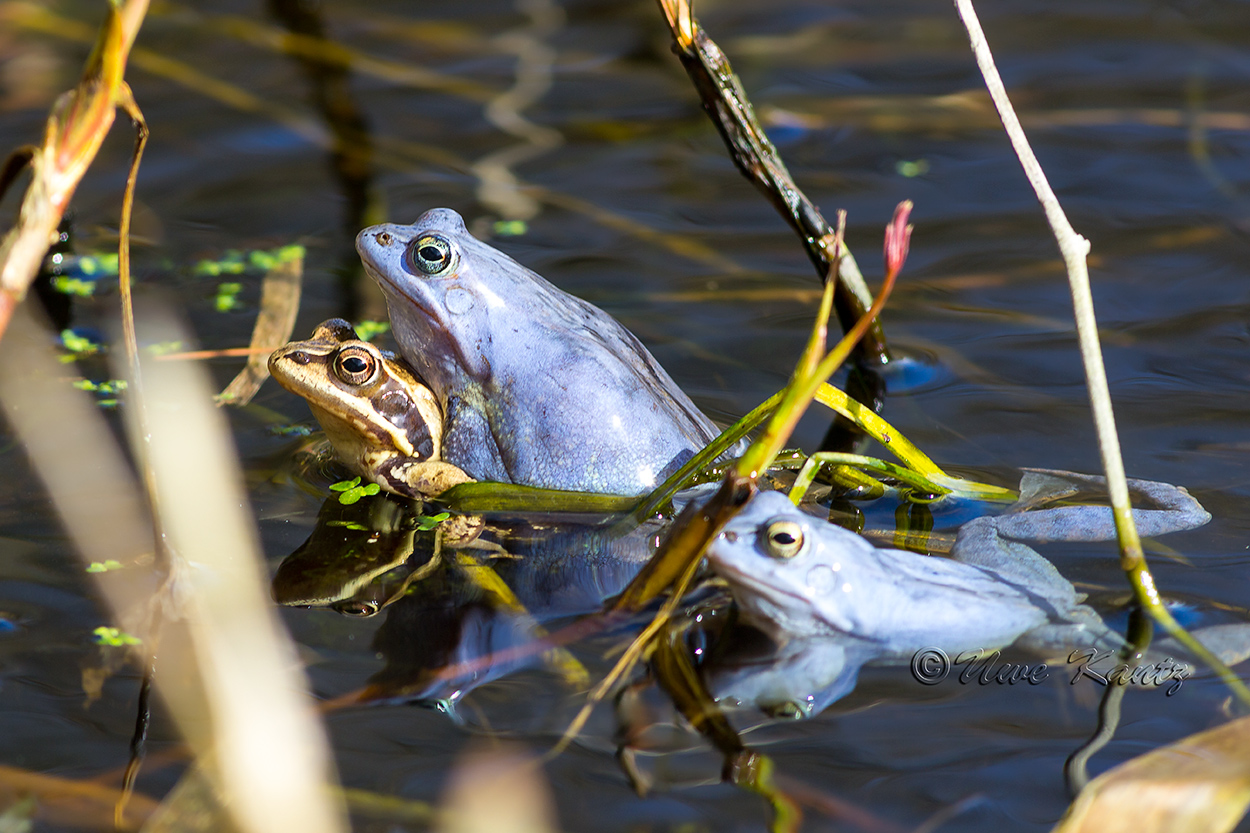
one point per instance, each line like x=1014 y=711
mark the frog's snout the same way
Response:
x=374 y=239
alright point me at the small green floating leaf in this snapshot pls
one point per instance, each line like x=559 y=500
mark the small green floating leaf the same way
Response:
x=235 y=262
x=73 y=286
x=104 y=263
x=112 y=386
x=352 y=525
x=230 y=263
x=510 y=228
x=286 y=254
x=109 y=389
x=351 y=491
x=261 y=260
x=290 y=430
x=77 y=345
x=269 y=260
x=164 y=348
x=919 y=167
x=368 y=330
x=114 y=638
x=227 y=298
x=103 y=567
x=427 y=522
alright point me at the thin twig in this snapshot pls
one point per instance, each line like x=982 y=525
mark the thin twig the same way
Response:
x=730 y=110
x=1074 y=248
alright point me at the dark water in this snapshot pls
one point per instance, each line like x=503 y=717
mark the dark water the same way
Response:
x=1137 y=111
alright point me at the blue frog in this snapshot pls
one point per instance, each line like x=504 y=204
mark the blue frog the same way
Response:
x=537 y=387
x=796 y=576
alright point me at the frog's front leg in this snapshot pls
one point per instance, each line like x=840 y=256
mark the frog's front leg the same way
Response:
x=426 y=478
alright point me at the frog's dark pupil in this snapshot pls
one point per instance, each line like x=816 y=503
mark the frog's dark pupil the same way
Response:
x=431 y=253
x=783 y=538
x=355 y=366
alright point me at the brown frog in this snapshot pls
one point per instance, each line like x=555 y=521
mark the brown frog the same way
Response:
x=383 y=422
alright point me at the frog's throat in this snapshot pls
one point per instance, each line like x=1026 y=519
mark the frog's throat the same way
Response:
x=418 y=318
x=356 y=431
x=752 y=587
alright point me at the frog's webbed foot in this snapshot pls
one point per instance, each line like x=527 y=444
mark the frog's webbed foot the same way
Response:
x=981 y=544
x=999 y=543
x=1174 y=509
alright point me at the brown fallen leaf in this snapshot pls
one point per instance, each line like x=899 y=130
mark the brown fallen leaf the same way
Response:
x=1199 y=783
x=279 y=304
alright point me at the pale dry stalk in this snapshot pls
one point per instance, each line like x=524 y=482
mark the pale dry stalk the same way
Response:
x=1075 y=248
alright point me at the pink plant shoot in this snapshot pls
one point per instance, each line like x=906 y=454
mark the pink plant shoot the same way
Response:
x=897 y=238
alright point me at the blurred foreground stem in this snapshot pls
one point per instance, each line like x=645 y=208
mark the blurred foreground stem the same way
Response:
x=76 y=127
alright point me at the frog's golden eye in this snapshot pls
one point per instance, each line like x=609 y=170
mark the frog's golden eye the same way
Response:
x=356 y=366
x=784 y=539
x=431 y=254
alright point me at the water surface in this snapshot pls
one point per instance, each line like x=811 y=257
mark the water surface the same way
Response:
x=1138 y=113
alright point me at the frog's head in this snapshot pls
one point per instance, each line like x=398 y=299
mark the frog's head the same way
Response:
x=441 y=285
x=373 y=408
x=785 y=567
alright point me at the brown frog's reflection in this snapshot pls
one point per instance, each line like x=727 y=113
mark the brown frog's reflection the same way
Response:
x=466 y=600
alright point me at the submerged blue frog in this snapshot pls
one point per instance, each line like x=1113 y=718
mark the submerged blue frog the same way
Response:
x=537 y=387
x=795 y=576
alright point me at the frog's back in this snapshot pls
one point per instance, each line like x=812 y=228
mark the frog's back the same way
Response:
x=919 y=601
x=575 y=400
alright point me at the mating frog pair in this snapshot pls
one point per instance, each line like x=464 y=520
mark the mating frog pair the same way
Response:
x=532 y=385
